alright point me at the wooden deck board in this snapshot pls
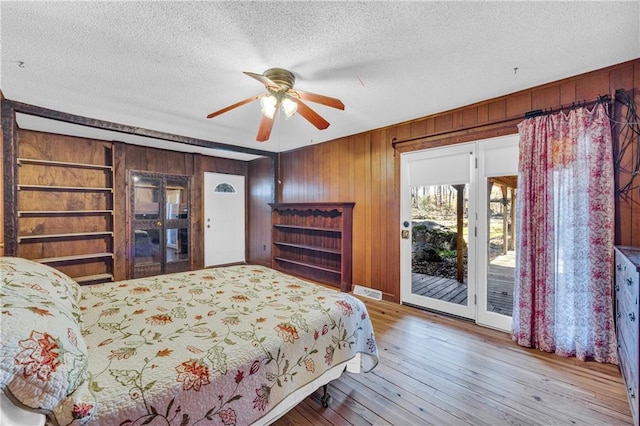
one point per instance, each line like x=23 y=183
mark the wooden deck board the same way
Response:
x=499 y=286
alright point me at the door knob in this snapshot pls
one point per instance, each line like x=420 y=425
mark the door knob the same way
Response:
x=159 y=224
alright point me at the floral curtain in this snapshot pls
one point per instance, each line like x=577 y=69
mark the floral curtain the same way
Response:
x=564 y=255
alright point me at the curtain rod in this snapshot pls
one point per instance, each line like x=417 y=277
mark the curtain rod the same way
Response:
x=539 y=112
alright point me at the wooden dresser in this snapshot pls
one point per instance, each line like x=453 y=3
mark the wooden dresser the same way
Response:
x=627 y=272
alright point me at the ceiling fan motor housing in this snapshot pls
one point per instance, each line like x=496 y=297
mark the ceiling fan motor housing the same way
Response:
x=283 y=78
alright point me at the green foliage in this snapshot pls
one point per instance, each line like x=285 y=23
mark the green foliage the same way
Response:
x=447 y=253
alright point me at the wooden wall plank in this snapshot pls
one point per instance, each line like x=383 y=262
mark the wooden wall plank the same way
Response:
x=592 y=86
x=567 y=92
x=359 y=210
x=376 y=234
x=259 y=223
x=519 y=104
x=633 y=234
x=497 y=109
x=469 y=116
x=418 y=128
x=545 y=97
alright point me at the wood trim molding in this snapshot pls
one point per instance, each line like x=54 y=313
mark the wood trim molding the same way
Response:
x=131 y=130
x=10 y=172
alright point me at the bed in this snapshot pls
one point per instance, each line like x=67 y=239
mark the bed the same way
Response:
x=225 y=346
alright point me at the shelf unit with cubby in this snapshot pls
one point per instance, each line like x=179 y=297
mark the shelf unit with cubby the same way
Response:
x=314 y=241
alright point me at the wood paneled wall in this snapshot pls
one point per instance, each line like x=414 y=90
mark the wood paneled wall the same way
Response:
x=132 y=157
x=365 y=168
x=261 y=192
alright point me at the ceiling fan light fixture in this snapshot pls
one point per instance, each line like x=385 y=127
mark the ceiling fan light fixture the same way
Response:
x=289 y=107
x=269 y=104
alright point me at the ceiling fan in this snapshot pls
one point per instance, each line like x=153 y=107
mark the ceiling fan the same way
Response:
x=280 y=93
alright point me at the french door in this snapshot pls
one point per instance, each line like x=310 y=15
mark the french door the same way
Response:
x=457 y=230
x=160 y=224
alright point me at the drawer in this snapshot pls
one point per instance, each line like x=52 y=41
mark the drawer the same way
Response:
x=627 y=331
x=629 y=275
x=629 y=288
x=628 y=361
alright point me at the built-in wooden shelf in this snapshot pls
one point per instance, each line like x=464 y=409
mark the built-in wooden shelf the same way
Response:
x=93 y=279
x=65 y=201
x=65 y=235
x=307 y=228
x=313 y=240
x=308 y=247
x=63 y=164
x=61 y=212
x=74 y=257
x=308 y=265
x=64 y=188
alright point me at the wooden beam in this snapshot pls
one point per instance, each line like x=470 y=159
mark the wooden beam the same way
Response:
x=10 y=173
x=131 y=130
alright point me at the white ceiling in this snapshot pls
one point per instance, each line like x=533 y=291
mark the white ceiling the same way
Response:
x=165 y=65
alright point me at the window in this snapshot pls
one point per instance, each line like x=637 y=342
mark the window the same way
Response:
x=225 y=187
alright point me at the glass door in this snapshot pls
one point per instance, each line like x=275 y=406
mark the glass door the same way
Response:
x=457 y=248
x=438 y=230
x=160 y=224
x=497 y=195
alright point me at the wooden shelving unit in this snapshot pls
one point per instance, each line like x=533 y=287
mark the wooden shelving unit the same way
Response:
x=313 y=240
x=65 y=208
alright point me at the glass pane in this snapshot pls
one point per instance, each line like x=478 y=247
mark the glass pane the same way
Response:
x=177 y=201
x=439 y=232
x=501 y=267
x=177 y=244
x=146 y=198
x=225 y=187
x=147 y=252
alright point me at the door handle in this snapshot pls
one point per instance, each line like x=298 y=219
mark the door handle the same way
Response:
x=159 y=224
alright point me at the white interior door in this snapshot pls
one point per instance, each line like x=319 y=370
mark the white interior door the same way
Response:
x=224 y=219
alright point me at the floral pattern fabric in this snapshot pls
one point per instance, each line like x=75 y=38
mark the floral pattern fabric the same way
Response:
x=564 y=256
x=43 y=357
x=218 y=346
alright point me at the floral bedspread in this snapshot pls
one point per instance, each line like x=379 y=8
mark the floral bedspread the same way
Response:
x=215 y=346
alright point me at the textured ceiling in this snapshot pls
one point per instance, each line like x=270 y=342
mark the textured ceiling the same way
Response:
x=165 y=65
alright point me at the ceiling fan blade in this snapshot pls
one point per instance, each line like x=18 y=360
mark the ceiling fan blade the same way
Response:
x=319 y=99
x=262 y=79
x=311 y=116
x=264 y=131
x=230 y=107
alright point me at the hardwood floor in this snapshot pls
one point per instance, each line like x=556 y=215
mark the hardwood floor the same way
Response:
x=445 y=371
